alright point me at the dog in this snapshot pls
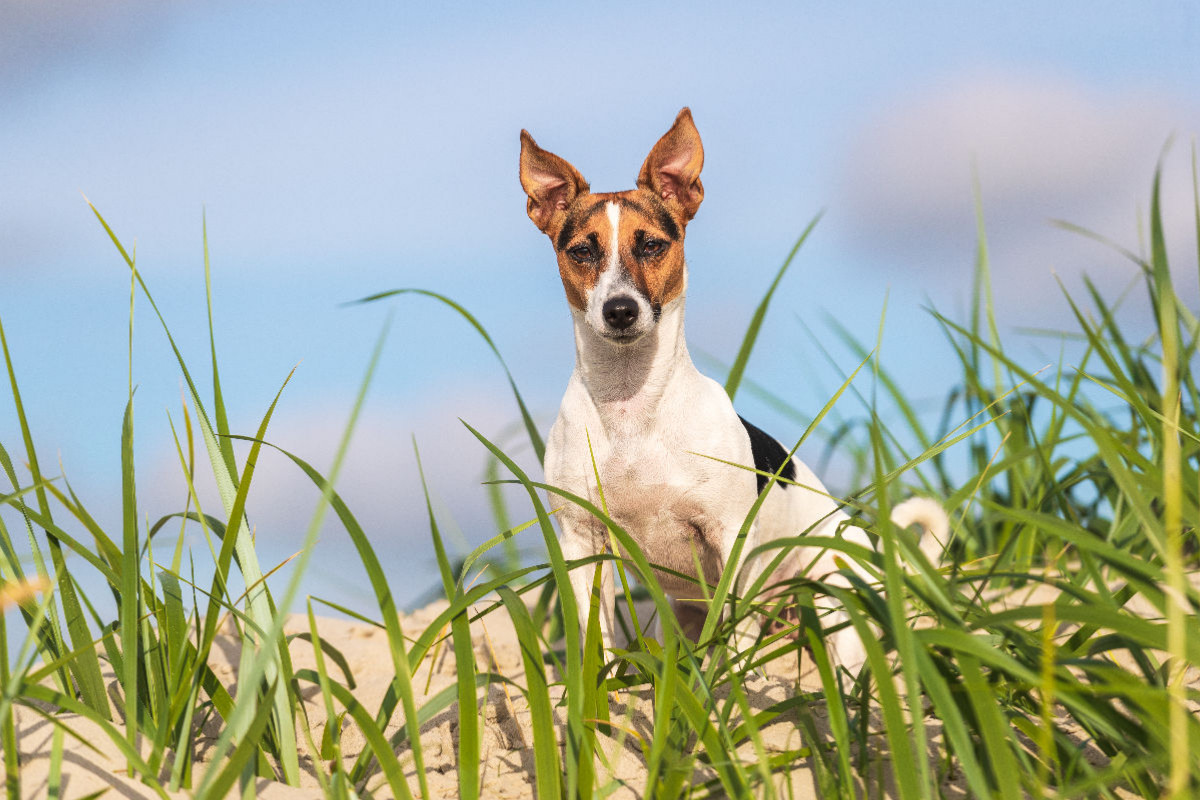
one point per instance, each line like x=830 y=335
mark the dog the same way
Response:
x=637 y=403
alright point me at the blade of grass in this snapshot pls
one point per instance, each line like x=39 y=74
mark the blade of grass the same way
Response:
x=377 y=744
x=54 y=779
x=332 y=721
x=464 y=655
x=268 y=657
x=383 y=594
x=8 y=726
x=894 y=592
x=130 y=583
x=664 y=705
x=993 y=729
x=1178 y=608
x=535 y=438
x=86 y=668
x=547 y=768
x=839 y=724
x=573 y=679
x=730 y=568
x=259 y=602
x=223 y=443
x=130 y=597
x=738 y=368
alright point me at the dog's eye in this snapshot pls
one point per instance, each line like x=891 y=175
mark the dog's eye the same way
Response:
x=653 y=247
x=581 y=253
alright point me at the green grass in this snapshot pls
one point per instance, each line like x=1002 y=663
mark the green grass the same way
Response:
x=1078 y=481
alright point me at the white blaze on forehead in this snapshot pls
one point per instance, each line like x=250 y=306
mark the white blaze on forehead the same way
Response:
x=614 y=220
x=613 y=282
x=610 y=282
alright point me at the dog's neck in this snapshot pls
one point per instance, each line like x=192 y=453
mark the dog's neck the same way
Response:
x=627 y=381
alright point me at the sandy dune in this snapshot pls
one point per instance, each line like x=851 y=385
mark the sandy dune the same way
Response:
x=507 y=763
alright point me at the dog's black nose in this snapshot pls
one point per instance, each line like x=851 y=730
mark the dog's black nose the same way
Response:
x=620 y=312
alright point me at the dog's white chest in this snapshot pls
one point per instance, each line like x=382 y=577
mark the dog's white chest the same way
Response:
x=640 y=425
x=663 y=499
x=638 y=481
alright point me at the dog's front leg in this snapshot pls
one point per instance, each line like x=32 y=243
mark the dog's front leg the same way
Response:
x=579 y=541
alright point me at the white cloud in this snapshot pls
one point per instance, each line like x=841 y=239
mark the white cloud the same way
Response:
x=1044 y=148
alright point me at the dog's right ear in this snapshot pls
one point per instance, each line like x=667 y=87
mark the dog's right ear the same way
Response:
x=551 y=183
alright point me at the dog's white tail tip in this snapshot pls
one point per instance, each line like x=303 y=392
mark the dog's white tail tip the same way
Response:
x=932 y=517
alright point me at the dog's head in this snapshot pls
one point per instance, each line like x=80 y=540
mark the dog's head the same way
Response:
x=620 y=254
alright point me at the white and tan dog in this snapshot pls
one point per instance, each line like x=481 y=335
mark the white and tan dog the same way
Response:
x=646 y=408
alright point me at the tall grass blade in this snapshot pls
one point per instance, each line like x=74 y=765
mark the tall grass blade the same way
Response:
x=86 y=668
x=54 y=780
x=333 y=723
x=259 y=599
x=535 y=438
x=1178 y=607
x=8 y=725
x=130 y=582
x=983 y=266
x=734 y=379
x=131 y=552
x=401 y=660
x=547 y=768
x=993 y=729
x=893 y=582
x=464 y=654
x=267 y=660
x=730 y=569
x=377 y=744
x=223 y=442
x=573 y=678
x=896 y=727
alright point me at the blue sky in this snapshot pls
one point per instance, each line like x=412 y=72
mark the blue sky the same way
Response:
x=338 y=151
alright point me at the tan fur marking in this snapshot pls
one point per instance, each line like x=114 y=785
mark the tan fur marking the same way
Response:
x=561 y=204
x=578 y=279
x=661 y=279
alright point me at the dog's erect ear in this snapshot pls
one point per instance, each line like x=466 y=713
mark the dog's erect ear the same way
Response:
x=551 y=183
x=672 y=170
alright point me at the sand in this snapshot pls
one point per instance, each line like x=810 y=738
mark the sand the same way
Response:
x=506 y=772
x=507 y=769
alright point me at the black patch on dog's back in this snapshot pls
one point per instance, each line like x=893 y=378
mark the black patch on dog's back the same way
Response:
x=768 y=455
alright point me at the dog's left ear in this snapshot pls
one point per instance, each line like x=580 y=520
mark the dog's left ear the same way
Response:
x=672 y=170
